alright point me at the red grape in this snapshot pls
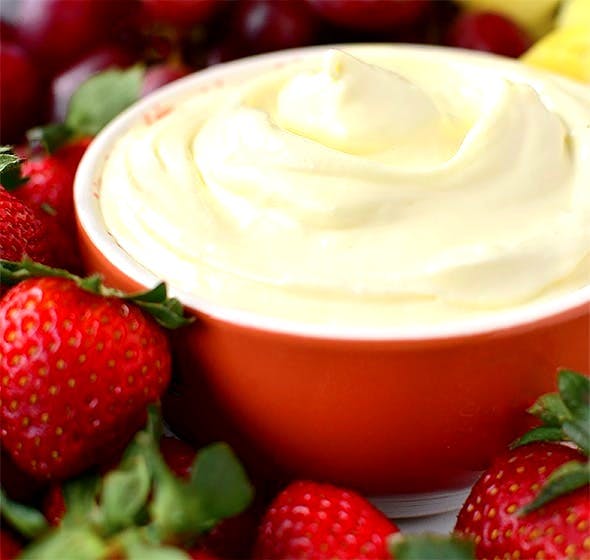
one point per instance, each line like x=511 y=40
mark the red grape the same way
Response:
x=179 y=13
x=370 y=15
x=57 y=32
x=488 y=31
x=66 y=83
x=224 y=51
x=7 y=31
x=160 y=74
x=267 y=25
x=19 y=90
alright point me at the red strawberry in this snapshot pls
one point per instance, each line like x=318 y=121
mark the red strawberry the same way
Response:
x=559 y=529
x=22 y=231
x=9 y=547
x=71 y=153
x=179 y=456
x=534 y=502
x=49 y=184
x=320 y=521
x=77 y=371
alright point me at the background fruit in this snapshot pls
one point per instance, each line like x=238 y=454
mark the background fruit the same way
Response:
x=488 y=31
x=370 y=14
x=566 y=51
x=19 y=91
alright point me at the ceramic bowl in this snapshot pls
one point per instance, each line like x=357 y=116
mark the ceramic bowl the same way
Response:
x=408 y=416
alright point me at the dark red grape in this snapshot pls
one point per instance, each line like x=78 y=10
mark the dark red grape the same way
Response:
x=19 y=90
x=370 y=15
x=268 y=25
x=488 y=31
x=7 y=31
x=66 y=83
x=57 y=32
x=224 y=51
x=179 y=13
x=159 y=74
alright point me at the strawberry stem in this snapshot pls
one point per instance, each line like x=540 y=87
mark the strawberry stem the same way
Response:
x=168 y=312
x=10 y=169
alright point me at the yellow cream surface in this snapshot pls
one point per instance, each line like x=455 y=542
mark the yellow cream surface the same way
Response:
x=377 y=186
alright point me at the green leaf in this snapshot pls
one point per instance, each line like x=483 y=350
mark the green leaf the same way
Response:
x=50 y=137
x=175 y=510
x=550 y=409
x=566 y=478
x=73 y=543
x=542 y=433
x=155 y=552
x=125 y=492
x=575 y=392
x=168 y=312
x=579 y=433
x=26 y=520
x=80 y=496
x=101 y=98
x=220 y=482
x=431 y=547
x=10 y=169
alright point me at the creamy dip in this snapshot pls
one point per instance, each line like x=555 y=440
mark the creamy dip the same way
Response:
x=392 y=187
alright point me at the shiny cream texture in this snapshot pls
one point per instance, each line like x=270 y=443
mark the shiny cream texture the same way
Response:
x=386 y=188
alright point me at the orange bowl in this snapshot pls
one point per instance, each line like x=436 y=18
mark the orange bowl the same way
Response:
x=406 y=415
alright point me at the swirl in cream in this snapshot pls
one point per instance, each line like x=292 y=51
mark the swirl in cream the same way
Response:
x=391 y=188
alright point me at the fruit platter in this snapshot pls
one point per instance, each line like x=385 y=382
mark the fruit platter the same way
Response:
x=294 y=279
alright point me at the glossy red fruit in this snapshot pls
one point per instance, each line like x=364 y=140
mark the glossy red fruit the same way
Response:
x=490 y=515
x=57 y=32
x=320 y=521
x=22 y=231
x=179 y=456
x=160 y=74
x=19 y=92
x=54 y=505
x=17 y=484
x=7 y=31
x=67 y=82
x=50 y=185
x=265 y=25
x=489 y=32
x=71 y=153
x=179 y=13
x=370 y=15
x=9 y=547
x=78 y=371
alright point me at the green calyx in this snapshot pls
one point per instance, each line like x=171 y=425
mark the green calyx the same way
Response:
x=422 y=547
x=168 y=312
x=94 y=104
x=141 y=509
x=10 y=169
x=565 y=417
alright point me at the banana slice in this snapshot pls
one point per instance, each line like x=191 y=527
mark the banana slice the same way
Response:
x=566 y=51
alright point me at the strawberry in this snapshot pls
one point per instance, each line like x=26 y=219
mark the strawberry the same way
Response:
x=49 y=184
x=316 y=521
x=491 y=513
x=9 y=547
x=22 y=231
x=70 y=153
x=534 y=501
x=78 y=365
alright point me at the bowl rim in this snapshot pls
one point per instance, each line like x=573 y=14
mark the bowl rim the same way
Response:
x=90 y=220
